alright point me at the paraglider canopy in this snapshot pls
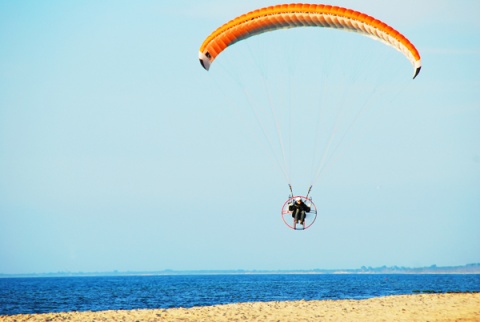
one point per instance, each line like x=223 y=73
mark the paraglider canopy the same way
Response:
x=300 y=15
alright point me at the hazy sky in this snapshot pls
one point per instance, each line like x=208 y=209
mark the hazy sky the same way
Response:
x=118 y=151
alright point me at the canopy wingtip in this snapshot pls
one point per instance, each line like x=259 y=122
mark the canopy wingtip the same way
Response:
x=204 y=60
x=417 y=66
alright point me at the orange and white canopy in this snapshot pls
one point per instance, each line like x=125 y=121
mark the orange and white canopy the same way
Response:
x=304 y=15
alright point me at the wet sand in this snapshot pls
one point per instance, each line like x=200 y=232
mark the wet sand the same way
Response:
x=421 y=307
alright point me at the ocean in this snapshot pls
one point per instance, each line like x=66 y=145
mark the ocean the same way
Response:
x=65 y=294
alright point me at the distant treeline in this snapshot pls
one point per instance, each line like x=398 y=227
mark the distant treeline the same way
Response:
x=433 y=269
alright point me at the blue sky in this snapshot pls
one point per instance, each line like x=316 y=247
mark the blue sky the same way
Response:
x=118 y=151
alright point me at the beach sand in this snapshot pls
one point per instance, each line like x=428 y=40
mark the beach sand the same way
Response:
x=421 y=307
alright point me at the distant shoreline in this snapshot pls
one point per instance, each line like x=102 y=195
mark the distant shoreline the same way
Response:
x=384 y=270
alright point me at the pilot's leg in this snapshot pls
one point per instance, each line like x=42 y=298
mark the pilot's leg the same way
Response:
x=297 y=215
x=302 y=217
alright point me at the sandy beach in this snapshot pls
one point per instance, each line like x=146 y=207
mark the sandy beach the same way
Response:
x=421 y=307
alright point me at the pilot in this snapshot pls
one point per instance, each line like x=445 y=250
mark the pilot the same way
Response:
x=298 y=209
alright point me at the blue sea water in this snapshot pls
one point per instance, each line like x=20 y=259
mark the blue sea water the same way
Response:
x=64 y=294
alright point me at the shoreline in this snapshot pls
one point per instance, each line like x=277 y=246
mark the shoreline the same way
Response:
x=468 y=269
x=418 y=307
